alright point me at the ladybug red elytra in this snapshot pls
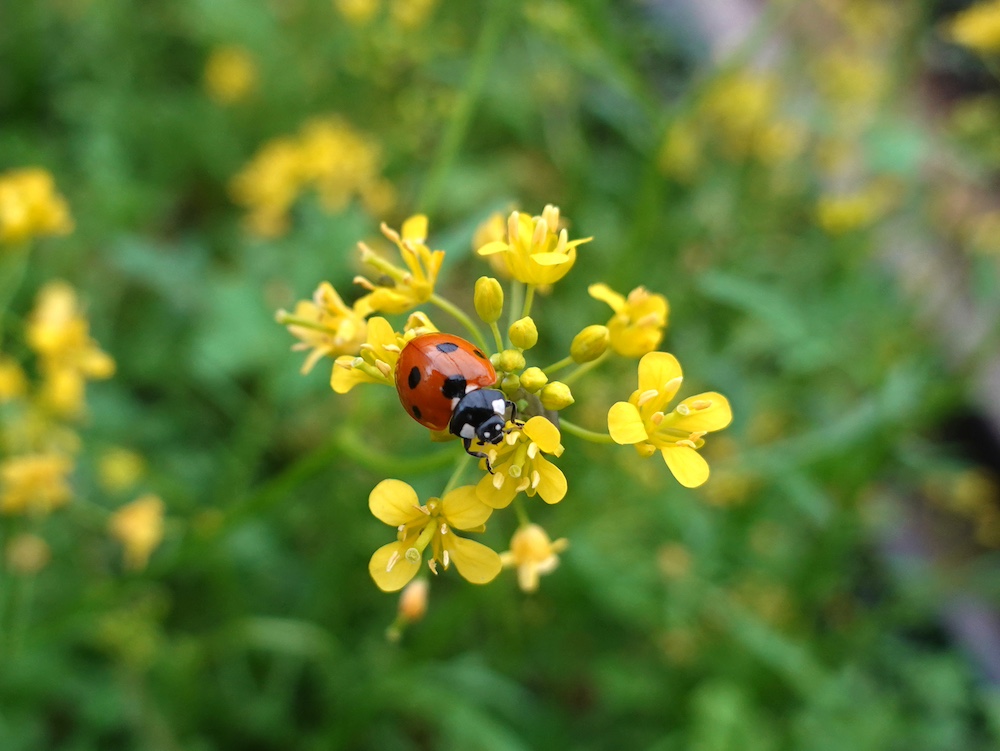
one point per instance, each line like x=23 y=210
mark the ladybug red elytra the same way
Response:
x=443 y=381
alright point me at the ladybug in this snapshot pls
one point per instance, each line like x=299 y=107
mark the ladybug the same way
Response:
x=444 y=382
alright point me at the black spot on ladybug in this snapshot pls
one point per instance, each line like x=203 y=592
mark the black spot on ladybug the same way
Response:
x=479 y=353
x=415 y=409
x=447 y=347
x=414 y=378
x=454 y=387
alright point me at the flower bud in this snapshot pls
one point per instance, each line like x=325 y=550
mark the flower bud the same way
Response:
x=413 y=601
x=556 y=395
x=589 y=344
x=533 y=379
x=488 y=299
x=510 y=385
x=523 y=333
x=510 y=361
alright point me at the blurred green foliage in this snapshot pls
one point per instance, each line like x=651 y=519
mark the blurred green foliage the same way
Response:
x=761 y=612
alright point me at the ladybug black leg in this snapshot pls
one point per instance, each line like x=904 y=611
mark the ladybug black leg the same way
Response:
x=478 y=454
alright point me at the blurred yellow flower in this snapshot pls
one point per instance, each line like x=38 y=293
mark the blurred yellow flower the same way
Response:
x=533 y=554
x=119 y=469
x=411 y=14
x=138 y=526
x=519 y=465
x=839 y=214
x=13 y=382
x=230 y=74
x=680 y=155
x=637 y=325
x=328 y=155
x=643 y=423
x=411 y=286
x=357 y=12
x=536 y=251
x=325 y=325
x=977 y=27
x=737 y=108
x=30 y=206
x=419 y=527
x=34 y=483
x=59 y=334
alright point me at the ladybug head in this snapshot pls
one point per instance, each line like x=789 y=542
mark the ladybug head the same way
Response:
x=480 y=415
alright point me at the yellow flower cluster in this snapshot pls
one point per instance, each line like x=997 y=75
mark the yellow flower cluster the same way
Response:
x=740 y=115
x=517 y=460
x=30 y=206
x=328 y=156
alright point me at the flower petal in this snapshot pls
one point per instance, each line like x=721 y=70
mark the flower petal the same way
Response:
x=625 y=424
x=390 y=568
x=550 y=259
x=656 y=370
x=463 y=509
x=686 y=464
x=541 y=430
x=415 y=228
x=551 y=483
x=497 y=246
x=474 y=561
x=605 y=294
x=705 y=412
x=395 y=503
x=344 y=378
x=493 y=496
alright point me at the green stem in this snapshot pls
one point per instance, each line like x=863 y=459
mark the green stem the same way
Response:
x=290 y=320
x=458 y=125
x=586 y=368
x=523 y=520
x=497 y=336
x=529 y=298
x=458 y=314
x=587 y=435
x=456 y=476
x=557 y=366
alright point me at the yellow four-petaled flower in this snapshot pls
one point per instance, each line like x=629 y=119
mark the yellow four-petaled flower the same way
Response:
x=432 y=526
x=643 y=421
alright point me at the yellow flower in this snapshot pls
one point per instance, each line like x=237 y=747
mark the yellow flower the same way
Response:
x=680 y=155
x=119 y=469
x=637 y=325
x=977 y=27
x=410 y=286
x=230 y=74
x=419 y=527
x=34 y=483
x=139 y=527
x=27 y=554
x=838 y=214
x=737 y=107
x=376 y=362
x=13 y=383
x=357 y=12
x=533 y=554
x=268 y=186
x=519 y=465
x=642 y=421
x=30 y=206
x=537 y=251
x=60 y=334
x=411 y=14
x=328 y=155
x=325 y=325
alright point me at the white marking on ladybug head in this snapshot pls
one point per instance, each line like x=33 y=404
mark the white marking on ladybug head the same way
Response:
x=454 y=403
x=499 y=406
x=470 y=388
x=467 y=431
